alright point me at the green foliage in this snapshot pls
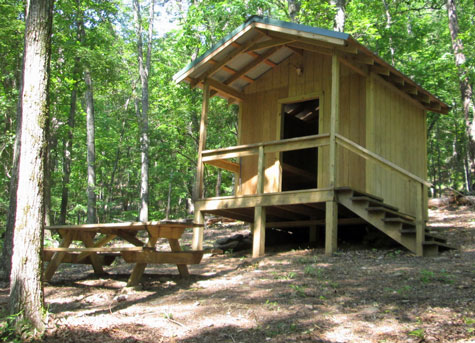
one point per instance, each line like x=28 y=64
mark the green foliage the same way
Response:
x=13 y=330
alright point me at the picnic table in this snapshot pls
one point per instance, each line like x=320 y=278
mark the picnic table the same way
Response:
x=142 y=252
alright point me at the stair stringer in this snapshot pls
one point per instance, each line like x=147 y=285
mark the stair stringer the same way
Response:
x=392 y=230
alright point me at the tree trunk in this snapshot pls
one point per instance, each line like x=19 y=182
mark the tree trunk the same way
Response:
x=91 y=150
x=90 y=136
x=26 y=293
x=340 y=18
x=389 y=22
x=144 y=71
x=8 y=239
x=67 y=156
x=294 y=9
x=465 y=86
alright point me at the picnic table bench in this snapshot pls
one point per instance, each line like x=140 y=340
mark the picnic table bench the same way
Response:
x=142 y=253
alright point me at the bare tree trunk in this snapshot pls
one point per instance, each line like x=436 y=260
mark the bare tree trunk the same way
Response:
x=144 y=71
x=8 y=239
x=340 y=18
x=465 y=86
x=389 y=22
x=26 y=293
x=90 y=133
x=67 y=156
x=217 y=189
x=294 y=9
x=169 y=197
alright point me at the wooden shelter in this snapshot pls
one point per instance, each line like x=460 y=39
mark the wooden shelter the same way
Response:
x=329 y=135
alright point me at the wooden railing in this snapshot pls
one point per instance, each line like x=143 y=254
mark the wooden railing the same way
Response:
x=220 y=157
x=420 y=183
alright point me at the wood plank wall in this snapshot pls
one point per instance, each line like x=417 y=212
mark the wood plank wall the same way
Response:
x=396 y=130
x=261 y=117
x=375 y=116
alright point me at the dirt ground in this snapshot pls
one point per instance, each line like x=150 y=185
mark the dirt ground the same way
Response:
x=299 y=295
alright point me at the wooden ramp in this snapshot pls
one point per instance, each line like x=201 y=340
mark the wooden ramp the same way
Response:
x=388 y=219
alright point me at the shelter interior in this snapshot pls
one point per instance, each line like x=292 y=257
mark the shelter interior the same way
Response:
x=329 y=135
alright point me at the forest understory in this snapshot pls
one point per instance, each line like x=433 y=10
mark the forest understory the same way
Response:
x=361 y=294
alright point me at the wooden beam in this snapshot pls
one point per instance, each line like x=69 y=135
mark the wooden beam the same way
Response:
x=261 y=171
x=396 y=79
x=350 y=64
x=227 y=91
x=230 y=56
x=269 y=44
x=380 y=70
x=296 y=50
x=267 y=199
x=272 y=30
x=250 y=66
x=410 y=89
x=259 y=232
x=225 y=164
x=334 y=118
x=311 y=48
x=217 y=51
x=420 y=226
x=198 y=231
x=364 y=59
x=314 y=222
x=202 y=143
x=331 y=227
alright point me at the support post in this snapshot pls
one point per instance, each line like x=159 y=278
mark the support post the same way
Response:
x=420 y=226
x=331 y=207
x=259 y=232
x=197 y=242
x=331 y=227
x=203 y=123
x=334 y=114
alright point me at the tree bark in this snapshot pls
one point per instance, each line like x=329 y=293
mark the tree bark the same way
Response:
x=340 y=17
x=26 y=293
x=294 y=9
x=144 y=71
x=464 y=83
x=389 y=22
x=10 y=225
x=90 y=135
x=67 y=156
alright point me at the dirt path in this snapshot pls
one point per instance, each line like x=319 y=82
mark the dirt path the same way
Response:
x=293 y=296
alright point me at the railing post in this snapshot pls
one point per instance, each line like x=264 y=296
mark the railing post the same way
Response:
x=259 y=227
x=420 y=225
x=260 y=171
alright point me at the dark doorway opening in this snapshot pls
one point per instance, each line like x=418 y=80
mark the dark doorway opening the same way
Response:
x=300 y=167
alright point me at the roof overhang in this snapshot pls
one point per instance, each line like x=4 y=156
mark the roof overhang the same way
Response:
x=260 y=44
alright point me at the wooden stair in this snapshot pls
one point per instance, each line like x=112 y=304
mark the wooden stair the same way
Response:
x=399 y=226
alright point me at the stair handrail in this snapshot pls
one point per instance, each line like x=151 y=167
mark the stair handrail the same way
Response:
x=365 y=153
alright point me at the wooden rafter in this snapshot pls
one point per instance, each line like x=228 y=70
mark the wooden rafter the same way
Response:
x=380 y=70
x=226 y=90
x=229 y=56
x=271 y=43
x=233 y=72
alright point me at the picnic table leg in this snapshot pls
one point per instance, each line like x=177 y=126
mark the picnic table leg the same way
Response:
x=96 y=263
x=182 y=268
x=57 y=257
x=139 y=268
